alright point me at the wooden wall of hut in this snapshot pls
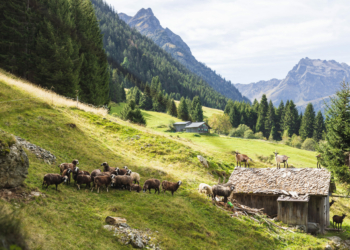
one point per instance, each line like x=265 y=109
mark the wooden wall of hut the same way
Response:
x=268 y=202
x=319 y=211
x=293 y=213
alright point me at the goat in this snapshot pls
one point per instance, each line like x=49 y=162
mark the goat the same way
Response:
x=331 y=203
x=318 y=157
x=107 y=168
x=99 y=181
x=83 y=179
x=67 y=172
x=122 y=180
x=171 y=186
x=242 y=158
x=151 y=184
x=222 y=190
x=64 y=166
x=56 y=179
x=338 y=220
x=281 y=159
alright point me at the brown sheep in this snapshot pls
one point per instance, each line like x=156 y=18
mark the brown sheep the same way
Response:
x=53 y=179
x=120 y=171
x=135 y=187
x=338 y=221
x=242 y=158
x=64 y=166
x=99 y=181
x=67 y=172
x=171 y=186
x=83 y=179
x=122 y=180
x=107 y=168
x=151 y=184
x=77 y=172
x=331 y=203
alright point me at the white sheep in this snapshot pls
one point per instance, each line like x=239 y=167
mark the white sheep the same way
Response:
x=134 y=176
x=205 y=189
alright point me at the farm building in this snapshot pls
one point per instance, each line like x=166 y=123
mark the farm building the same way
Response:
x=180 y=126
x=192 y=127
x=296 y=196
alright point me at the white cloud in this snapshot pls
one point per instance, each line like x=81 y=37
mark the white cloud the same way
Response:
x=251 y=40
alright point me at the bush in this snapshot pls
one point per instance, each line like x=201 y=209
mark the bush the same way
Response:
x=249 y=134
x=309 y=144
x=171 y=125
x=296 y=141
x=239 y=131
x=259 y=135
x=130 y=113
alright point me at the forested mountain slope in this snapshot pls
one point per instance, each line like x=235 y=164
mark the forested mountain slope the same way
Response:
x=147 y=24
x=144 y=60
x=310 y=80
x=57 y=45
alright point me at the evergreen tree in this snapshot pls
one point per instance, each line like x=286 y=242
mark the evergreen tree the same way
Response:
x=273 y=133
x=279 y=120
x=234 y=118
x=182 y=110
x=338 y=134
x=319 y=127
x=307 y=122
x=197 y=111
x=291 y=116
x=146 y=99
x=228 y=107
x=263 y=108
x=270 y=120
x=122 y=93
x=172 y=110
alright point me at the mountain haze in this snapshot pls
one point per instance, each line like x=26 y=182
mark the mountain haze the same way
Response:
x=147 y=24
x=311 y=80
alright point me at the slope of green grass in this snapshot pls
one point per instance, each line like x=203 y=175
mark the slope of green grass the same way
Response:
x=71 y=219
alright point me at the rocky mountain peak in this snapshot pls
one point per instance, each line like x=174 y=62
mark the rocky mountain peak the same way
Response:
x=144 y=12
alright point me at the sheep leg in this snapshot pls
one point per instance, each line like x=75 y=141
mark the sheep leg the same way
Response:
x=56 y=187
x=172 y=193
x=149 y=190
x=78 y=186
x=98 y=190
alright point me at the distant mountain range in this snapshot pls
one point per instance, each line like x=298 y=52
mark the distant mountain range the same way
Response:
x=147 y=24
x=309 y=81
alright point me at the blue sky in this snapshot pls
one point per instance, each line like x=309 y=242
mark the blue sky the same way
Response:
x=251 y=40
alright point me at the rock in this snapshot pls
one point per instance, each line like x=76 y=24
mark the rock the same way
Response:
x=36 y=194
x=136 y=241
x=115 y=220
x=336 y=240
x=328 y=247
x=203 y=161
x=347 y=242
x=313 y=228
x=14 y=165
x=123 y=225
x=108 y=227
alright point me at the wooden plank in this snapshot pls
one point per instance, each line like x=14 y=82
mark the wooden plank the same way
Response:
x=340 y=196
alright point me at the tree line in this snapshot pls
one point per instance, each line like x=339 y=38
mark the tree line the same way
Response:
x=57 y=45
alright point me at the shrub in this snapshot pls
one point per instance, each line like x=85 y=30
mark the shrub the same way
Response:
x=130 y=113
x=296 y=141
x=239 y=131
x=249 y=134
x=171 y=125
x=259 y=135
x=309 y=144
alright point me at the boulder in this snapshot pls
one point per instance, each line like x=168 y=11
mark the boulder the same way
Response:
x=204 y=162
x=136 y=241
x=313 y=228
x=14 y=162
x=115 y=220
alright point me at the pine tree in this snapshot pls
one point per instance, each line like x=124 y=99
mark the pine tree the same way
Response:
x=319 y=127
x=338 y=134
x=279 y=120
x=291 y=116
x=123 y=94
x=234 y=118
x=273 y=133
x=263 y=108
x=182 y=110
x=270 y=120
x=197 y=111
x=172 y=108
x=307 y=122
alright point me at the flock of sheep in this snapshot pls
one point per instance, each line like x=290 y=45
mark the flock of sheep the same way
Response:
x=115 y=177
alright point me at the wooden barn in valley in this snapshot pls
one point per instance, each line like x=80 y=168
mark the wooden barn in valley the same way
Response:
x=296 y=196
x=192 y=127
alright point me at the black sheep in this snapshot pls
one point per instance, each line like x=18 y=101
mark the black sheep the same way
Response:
x=83 y=179
x=222 y=190
x=171 y=186
x=338 y=221
x=67 y=172
x=151 y=184
x=53 y=179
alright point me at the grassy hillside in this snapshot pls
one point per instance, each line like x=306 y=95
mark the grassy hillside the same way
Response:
x=71 y=219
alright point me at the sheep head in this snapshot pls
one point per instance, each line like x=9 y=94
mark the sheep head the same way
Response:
x=76 y=170
x=125 y=167
x=232 y=188
x=75 y=162
x=129 y=172
x=65 y=178
x=179 y=183
x=104 y=164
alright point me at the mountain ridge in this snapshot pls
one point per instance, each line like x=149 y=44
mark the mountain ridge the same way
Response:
x=147 y=24
x=310 y=80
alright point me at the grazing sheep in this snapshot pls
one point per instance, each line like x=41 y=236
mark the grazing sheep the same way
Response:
x=107 y=168
x=83 y=179
x=122 y=180
x=318 y=157
x=135 y=187
x=338 y=220
x=67 y=172
x=201 y=189
x=331 y=203
x=99 y=181
x=120 y=171
x=95 y=173
x=242 y=158
x=171 y=186
x=281 y=159
x=134 y=176
x=209 y=190
x=53 y=179
x=78 y=172
x=223 y=190
x=151 y=184
x=64 y=166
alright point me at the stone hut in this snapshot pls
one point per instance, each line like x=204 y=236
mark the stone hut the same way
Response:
x=296 y=196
